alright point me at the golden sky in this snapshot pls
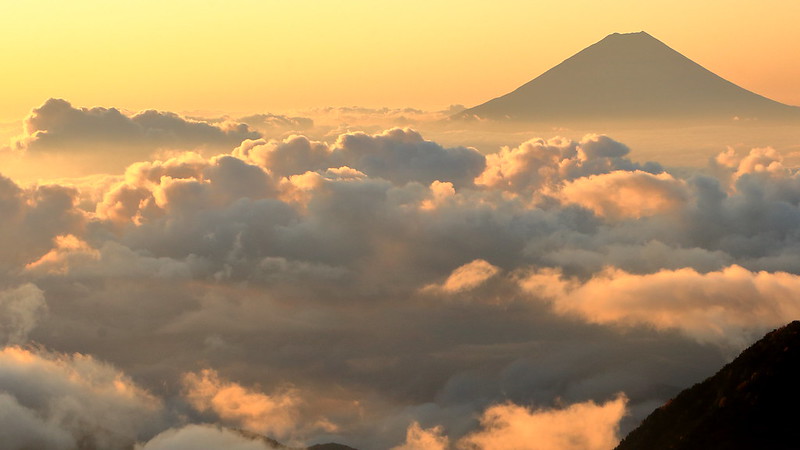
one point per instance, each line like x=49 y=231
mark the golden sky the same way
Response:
x=269 y=55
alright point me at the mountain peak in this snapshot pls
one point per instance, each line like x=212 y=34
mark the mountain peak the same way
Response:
x=635 y=34
x=629 y=76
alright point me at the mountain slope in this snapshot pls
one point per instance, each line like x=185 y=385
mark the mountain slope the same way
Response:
x=752 y=403
x=629 y=76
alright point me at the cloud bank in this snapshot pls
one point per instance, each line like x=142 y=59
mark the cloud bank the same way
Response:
x=58 y=126
x=379 y=289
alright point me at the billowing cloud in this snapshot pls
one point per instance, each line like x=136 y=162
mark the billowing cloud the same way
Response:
x=539 y=163
x=274 y=414
x=204 y=437
x=30 y=219
x=400 y=155
x=69 y=401
x=345 y=286
x=623 y=194
x=468 y=276
x=418 y=438
x=732 y=306
x=581 y=426
x=57 y=125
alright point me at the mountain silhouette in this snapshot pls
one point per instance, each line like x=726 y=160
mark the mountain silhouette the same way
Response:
x=273 y=444
x=629 y=76
x=751 y=403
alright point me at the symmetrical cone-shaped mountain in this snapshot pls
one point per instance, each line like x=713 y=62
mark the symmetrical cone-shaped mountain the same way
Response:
x=629 y=76
x=752 y=403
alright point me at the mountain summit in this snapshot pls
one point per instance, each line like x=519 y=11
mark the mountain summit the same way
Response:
x=629 y=76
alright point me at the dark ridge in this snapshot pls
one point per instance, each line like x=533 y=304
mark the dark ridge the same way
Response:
x=272 y=443
x=752 y=403
x=631 y=76
x=330 y=446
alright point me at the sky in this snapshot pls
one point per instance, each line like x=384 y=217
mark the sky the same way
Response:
x=220 y=221
x=272 y=55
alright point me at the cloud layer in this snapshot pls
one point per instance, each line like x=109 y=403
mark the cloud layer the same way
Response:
x=377 y=289
x=58 y=126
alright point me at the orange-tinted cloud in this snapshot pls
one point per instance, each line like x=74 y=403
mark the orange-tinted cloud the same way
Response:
x=418 y=438
x=621 y=194
x=469 y=276
x=274 y=414
x=72 y=398
x=727 y=307
x=580 y=426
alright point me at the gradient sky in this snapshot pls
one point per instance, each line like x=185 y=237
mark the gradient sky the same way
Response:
x=266 y=55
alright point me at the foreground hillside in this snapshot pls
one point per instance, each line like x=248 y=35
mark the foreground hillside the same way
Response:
x=750 y=404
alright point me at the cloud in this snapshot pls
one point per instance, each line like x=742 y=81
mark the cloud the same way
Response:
x=274 y=414
x=330 y=265
x=20 y=311
x=622 y=194
x=293 y=155
x=731 y=307
x=203 y=437
x=399 y=155
x=31 y=218
x=67 y=401
x=277 y=122
x=543 y=164
x=583 y=426
x=57 y=126
x=21 y=427
x=466 y=277
x=418 y=438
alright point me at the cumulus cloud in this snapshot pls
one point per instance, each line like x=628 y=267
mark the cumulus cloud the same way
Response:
x=400 y=155
x=323 y=264
x=57 y=126
x=31 y=218
x=731 y=306
x=468 y=276
x=623 y=194
x=578 y=426
x=539 y=163
x=21 y=427
x=274 y=414
x=418 y=438
x=202 y=437
x=71 y=401
x=584 y=426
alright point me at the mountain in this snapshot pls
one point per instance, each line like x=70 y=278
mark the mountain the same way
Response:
x=752 y=403
x=629 y=76
x=273 y=444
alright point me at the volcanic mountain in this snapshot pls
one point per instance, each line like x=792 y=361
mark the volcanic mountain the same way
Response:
x=629 y=76
x=751 y=403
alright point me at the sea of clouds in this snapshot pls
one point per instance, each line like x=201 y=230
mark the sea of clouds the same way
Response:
x=376 y=289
